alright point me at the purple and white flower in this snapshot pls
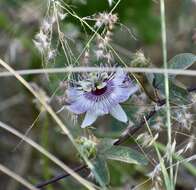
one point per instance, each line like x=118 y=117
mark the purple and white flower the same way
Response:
x=100 y=94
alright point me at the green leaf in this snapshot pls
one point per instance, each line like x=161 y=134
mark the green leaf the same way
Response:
x=101 y=168
x=182 y=61
x=178 y=95
x=105 y=143
x=125 y=154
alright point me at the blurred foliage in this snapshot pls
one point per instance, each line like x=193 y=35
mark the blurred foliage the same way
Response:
x=137 y=12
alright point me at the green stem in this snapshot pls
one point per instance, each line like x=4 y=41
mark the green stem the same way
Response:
x=164 y=49
x=190 y=167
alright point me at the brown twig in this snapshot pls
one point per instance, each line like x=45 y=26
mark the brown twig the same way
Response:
x=59 y=177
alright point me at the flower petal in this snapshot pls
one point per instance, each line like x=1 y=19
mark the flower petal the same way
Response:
x=78 y=103
x=118 y=113
x=125 y=92
x=89 y=119
x=73 y=93
x=121 y=93
x=133 y=89
x=119 y=76
x=79 y=106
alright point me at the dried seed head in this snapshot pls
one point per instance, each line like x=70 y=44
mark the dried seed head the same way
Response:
x=139 y=60
x=191 y=143
x=51 y=55
x=146 y=139
x=184 y=118
x=193 y=97
x=63 y=85
x=158 y=123
x=41 y=41
x=155 y=172
x=62 y=100
x=106 y=19
x=155 y=175
x=62 y=16
x=99 y=53
x=47 y=23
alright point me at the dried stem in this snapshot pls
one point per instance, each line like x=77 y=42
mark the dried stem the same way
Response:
x=59 y=177
x=179 y=72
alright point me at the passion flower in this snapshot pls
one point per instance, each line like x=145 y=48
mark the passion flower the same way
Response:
x=100 y=94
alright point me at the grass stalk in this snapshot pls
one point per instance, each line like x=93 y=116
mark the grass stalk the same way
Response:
x=179 y=72
x=17 y=177
x=59 y=123
x=48 y=155
x=166 y=82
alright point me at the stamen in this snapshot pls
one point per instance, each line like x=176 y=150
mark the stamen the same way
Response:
x=99 y=92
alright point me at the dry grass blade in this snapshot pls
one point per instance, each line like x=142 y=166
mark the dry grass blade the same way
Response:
x=99 y=69
x=60 y=124
x=17 y=177
x=47 y=154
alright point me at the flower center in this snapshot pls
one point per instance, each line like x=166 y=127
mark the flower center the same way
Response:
x=99 y=92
